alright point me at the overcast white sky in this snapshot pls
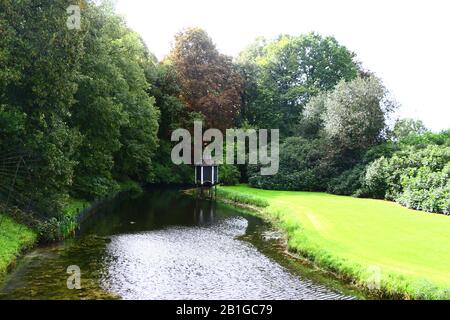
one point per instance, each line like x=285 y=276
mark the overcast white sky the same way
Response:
x=405 y=42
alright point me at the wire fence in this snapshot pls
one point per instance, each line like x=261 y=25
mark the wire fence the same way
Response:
x=16 y=169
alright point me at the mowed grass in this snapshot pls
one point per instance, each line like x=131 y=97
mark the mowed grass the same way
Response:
x=14 y=238
x=365 y=238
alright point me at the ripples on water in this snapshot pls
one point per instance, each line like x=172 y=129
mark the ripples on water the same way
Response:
x=203 y=262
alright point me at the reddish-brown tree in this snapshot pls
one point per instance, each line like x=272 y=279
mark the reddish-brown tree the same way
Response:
x=209 y=82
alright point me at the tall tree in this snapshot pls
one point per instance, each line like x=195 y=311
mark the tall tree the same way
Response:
x=98 y=113
x=174 y=114
x=114 y=112
x=288 y=72
x=209 y=82
x=356 y=113
x=139 y=134
x=40 y=60
x=407 y=127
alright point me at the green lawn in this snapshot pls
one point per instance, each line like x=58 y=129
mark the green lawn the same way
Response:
x=359 y=236
x=13 y=239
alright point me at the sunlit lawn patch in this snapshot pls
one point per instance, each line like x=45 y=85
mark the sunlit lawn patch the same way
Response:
x=13 y=239
x=356 y=236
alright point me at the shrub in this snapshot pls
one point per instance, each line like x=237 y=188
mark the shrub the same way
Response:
x=166 y=172
x=417 y=178
x=426 y=190
x=376 y=178
x=428 y=138
x=350 y=182
x=92 y=187
x=229 y=175
x=300 y=167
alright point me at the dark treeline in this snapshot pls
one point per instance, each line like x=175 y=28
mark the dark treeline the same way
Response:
x=93 y=108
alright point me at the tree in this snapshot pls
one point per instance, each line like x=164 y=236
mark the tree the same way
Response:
x=311 y=122
x=288 y=72
x=114 y=112
x=166 y=90
x=138 y=137
x=356 y=114
x=407 y=127
x=209 y=82
x=174 y=114
x=98 y=113
x=40 y=61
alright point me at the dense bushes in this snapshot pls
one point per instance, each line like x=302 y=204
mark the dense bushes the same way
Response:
x=427 y=190
x=350 y=182
x=300 y=167
x=229 y=175
x=417 y=178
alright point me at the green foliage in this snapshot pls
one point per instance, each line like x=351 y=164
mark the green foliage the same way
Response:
x=342 y=132
x=49 y=230
x=229 y=175
x=349 y=182
x=357 y=180
x=311 y=124
x=426 y=190
x=416 y=178
x=300 y=167
x=282 y=75
x=428 y=138
x=78 y=103
x=138 y=137
x=114 y=113
x=356 y=112
x=376 y=178
x=40 y=61
x=62 y=225
x=131 y=186
x=74 y=206
x=166 y=90
x=406 y=127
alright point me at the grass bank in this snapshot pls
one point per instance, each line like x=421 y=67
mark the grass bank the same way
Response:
x=14 y=239
x=380 y=246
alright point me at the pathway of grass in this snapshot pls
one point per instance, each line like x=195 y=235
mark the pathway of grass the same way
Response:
x=358 y=237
